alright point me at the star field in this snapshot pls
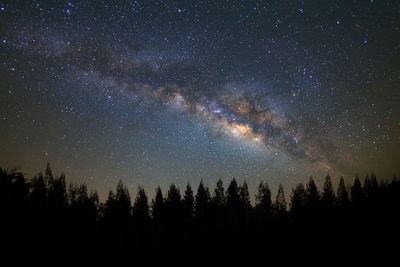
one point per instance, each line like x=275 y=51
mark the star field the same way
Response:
x=160 y=92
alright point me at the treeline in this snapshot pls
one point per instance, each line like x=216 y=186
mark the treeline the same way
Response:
x=46 y=219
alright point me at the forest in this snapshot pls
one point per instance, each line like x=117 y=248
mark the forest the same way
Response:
x=48 y=221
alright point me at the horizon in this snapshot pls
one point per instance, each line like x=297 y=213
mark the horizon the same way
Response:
x=253 y=186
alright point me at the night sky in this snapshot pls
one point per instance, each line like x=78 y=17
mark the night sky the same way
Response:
x=161 y=92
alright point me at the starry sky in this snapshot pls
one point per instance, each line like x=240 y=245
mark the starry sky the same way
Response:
x=161 y=92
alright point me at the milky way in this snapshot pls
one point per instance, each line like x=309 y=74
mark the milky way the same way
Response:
x=160 y=92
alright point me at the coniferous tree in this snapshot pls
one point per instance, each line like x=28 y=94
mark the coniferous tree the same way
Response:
x=244 y=196
x=57 y=195
x=202 y=201
x=232 y=195
x=313 y=196
x=342 y=195
x=219 y=197
x=109 y=205
x=233 y=204
x=173 y=197
x=72 y=194
x=263 y=198
x=141 y=221
x=263 y=207
x=218 y=204
x=367 y=189
x=328 y=196
x=374 y=181
x=173 y=205
x=373 y=190
x=93 y=207
x=280 y=202
x=298 y=201
x=140 y=210
x=188 y=203
x=123 y=200
x=357 y=193
x=118 y=206
x=158 y=209
x=48 y=175
x=84 y=205
x=83 y=212
x=38 y=194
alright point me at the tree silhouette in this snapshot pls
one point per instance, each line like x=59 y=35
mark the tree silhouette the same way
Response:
x=233 y=204
x=328 y=196
x=280 y=202
x=57 y=195
x=63 y=222
x=263 y=199
x=83 y=204
x=140 y=210
x=219 y=197
x=342 y=195
x=374 y=187
x=38 y=195
x=298 y=201
x=218 y=202
x=158 y=209
x=357 y=193
x=232 y=195
x=244 y=196
x=48 y=174
x=312 y=197
x=123 y=200
x=118 y=217
x=202 y=202
x=141 y=221
x=188 y=203
x=174 y=207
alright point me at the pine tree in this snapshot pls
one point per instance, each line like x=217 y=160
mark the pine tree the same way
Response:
x=38 y=194
x=174 y=207
x=232 y=195
x=357 y=193
x=86 y=205
x=140 y=210
x=202 y=201
x=263 y=197
x=342 y=195
x=313 y=196
x=48 y=175
x=244 y=196
x=298 y=201
x=173 y=196
x=110 y=202
x=188 y=202
x=280 y=202
x=123 y=198
x=158 y=209
x=328 y=196
x=219 y=194
x=57 y=195
x=373 y=191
